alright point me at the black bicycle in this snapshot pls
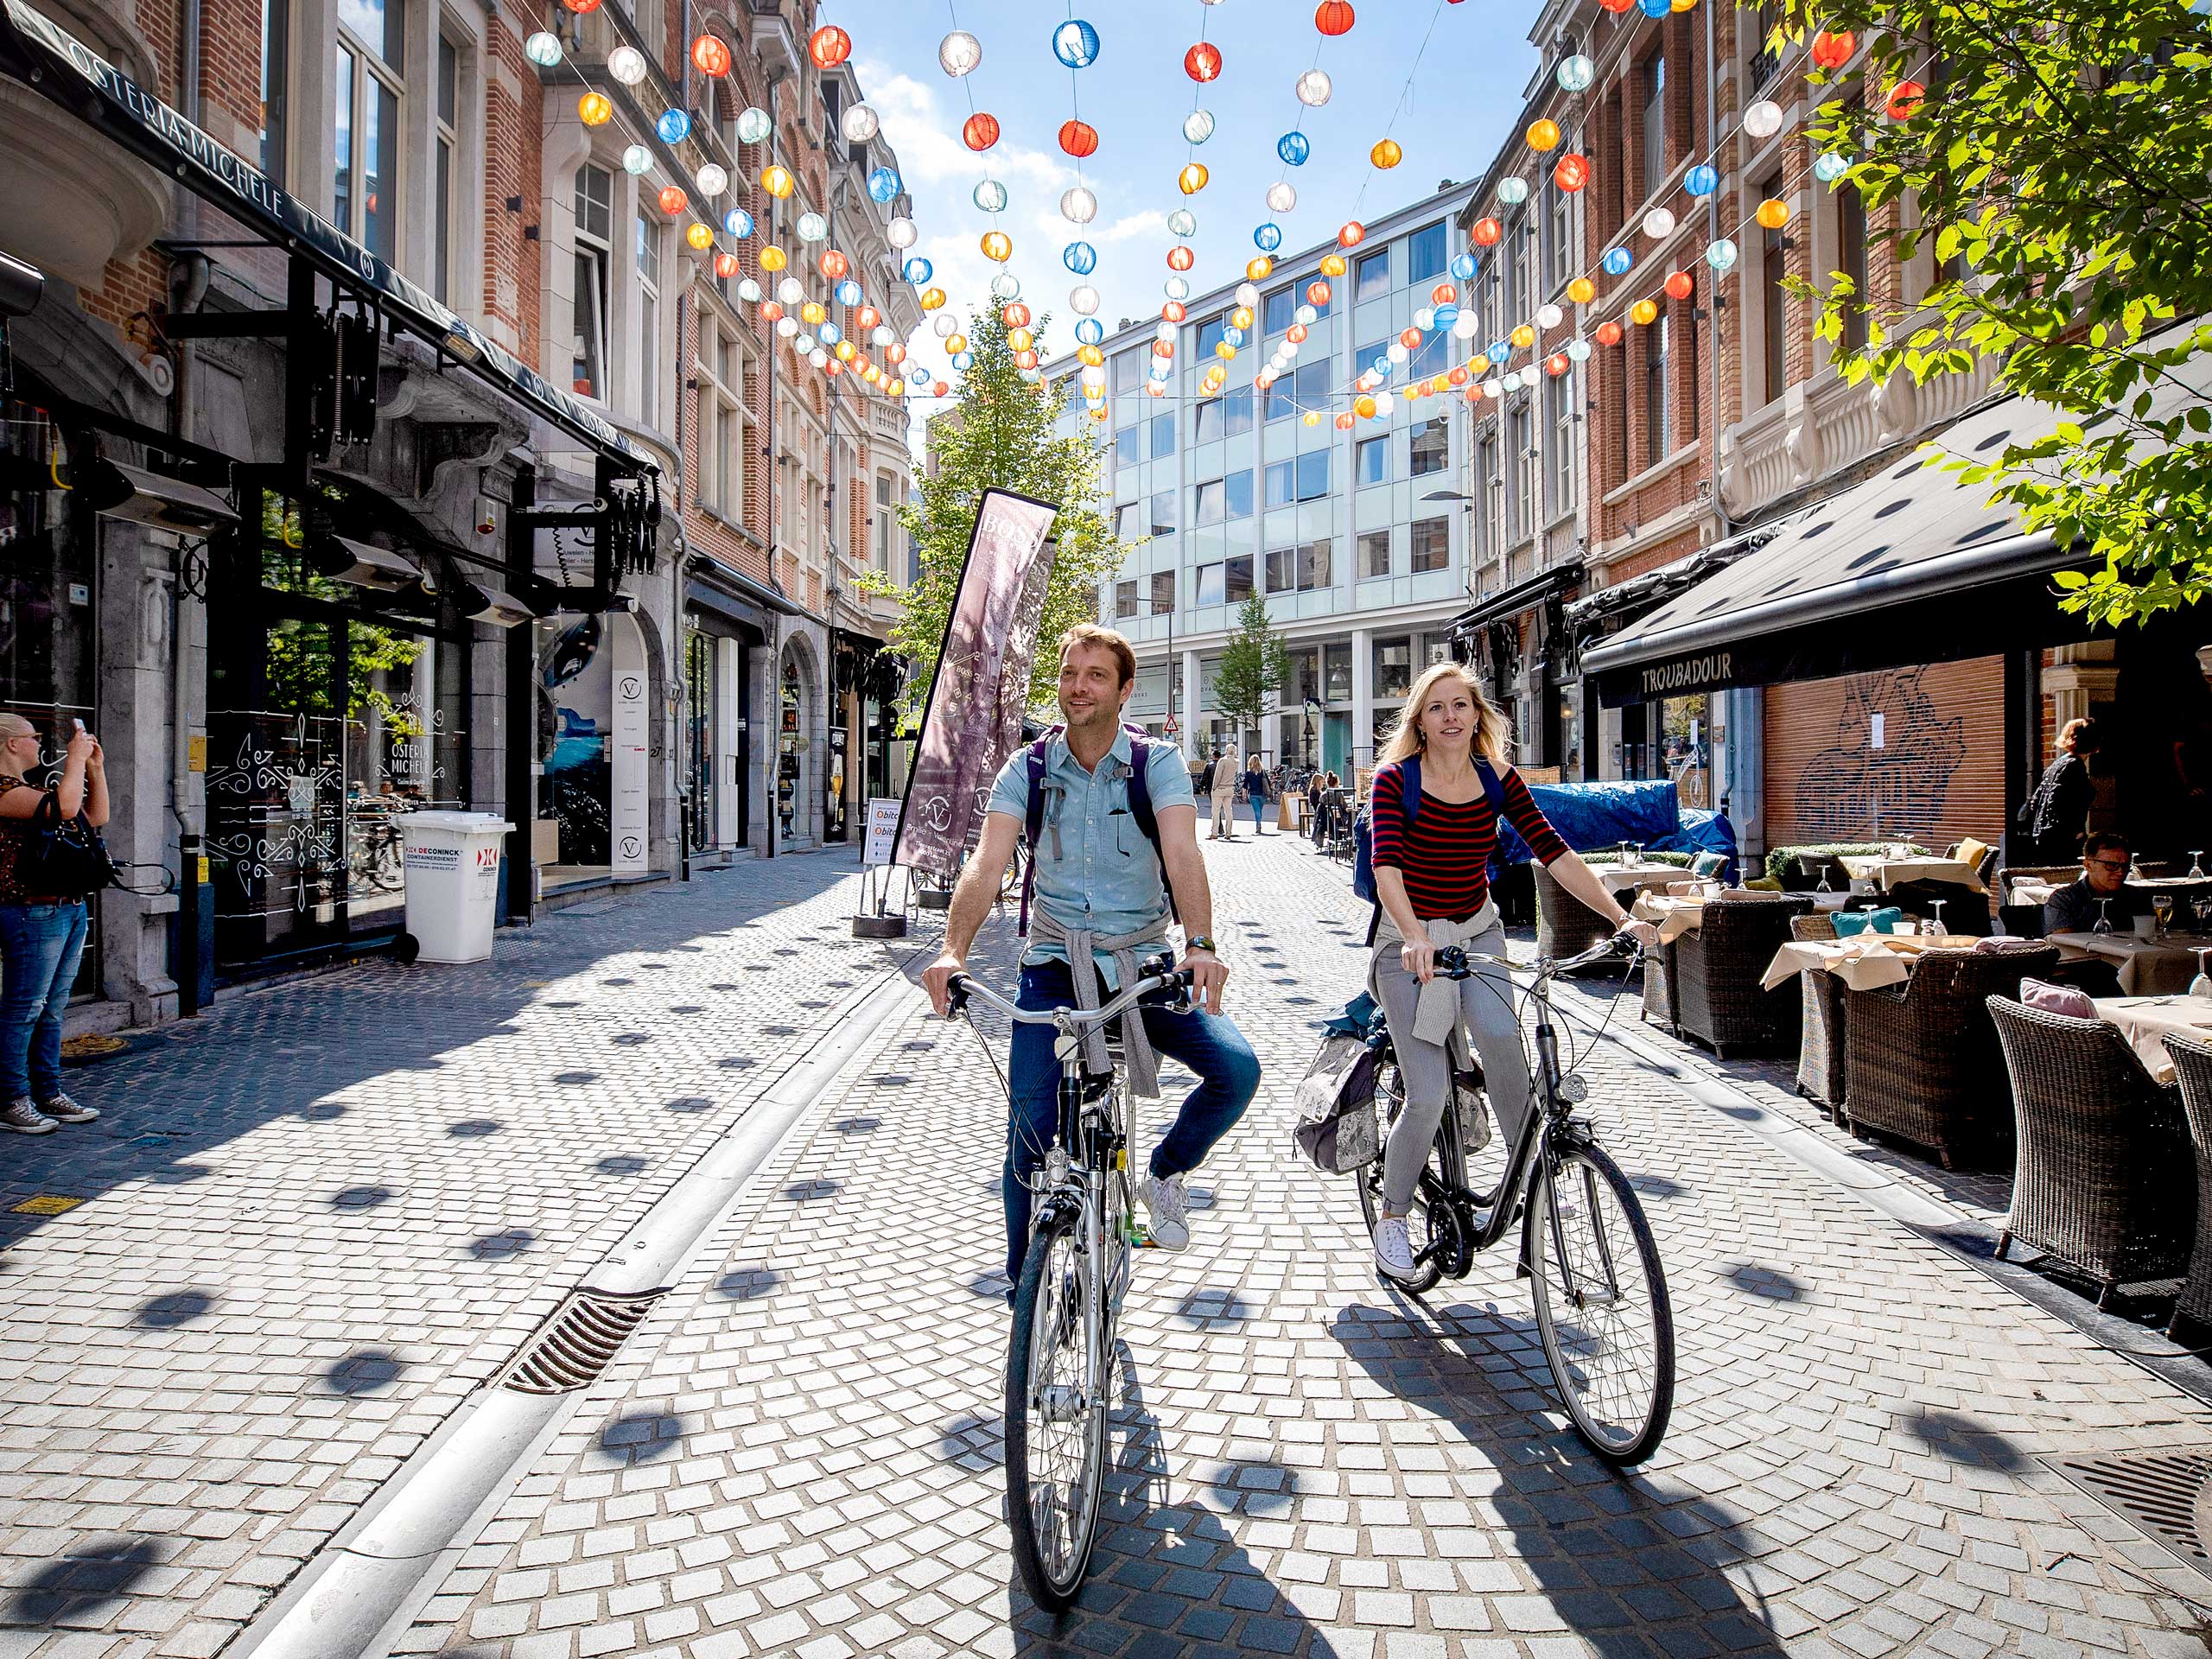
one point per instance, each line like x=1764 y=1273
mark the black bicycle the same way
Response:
x=1602 y=1311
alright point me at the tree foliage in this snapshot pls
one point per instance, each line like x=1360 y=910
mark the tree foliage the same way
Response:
x=2056 y=173
x=1000 y=434
x=1254 y=662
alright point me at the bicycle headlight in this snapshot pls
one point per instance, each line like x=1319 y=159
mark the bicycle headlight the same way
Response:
x=1573 y=1090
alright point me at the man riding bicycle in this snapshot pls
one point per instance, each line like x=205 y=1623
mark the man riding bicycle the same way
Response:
x=1102 y=887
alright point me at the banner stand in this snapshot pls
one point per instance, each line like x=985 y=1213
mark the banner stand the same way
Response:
x=875 y=919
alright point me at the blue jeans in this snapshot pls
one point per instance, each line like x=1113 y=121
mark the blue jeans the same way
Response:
x=40 y=946
x=1228 y=1072
x=1257 y=805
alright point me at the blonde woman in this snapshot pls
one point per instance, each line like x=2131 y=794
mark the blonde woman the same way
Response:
x=1432 y=878
x=41 y=934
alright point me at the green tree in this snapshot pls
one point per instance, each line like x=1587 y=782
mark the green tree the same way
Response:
x=2054 y=169
x=1000 y=434
x=1254 y=662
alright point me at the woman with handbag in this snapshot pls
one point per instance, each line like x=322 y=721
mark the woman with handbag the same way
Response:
x=1432 y=882
x=43 y=835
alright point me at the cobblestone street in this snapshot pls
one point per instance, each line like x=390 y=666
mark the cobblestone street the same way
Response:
x=313 y=1225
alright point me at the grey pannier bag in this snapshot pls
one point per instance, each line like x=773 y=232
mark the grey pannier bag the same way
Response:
x=1336 y=1131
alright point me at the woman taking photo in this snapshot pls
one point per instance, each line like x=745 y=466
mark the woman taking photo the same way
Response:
x=41 y=934
x=1431 y=879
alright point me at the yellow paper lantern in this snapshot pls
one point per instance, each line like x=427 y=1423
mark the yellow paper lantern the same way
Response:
x=1332 y=264
x=812 y=315
x=1644 y=314
x=1258 y=269
x=1685 y=5
x=1312 y=417
x=1773 y=214
x=700 y=236
x=1223 y=350
x=955 y=342
x=1363 y=406
x=1543 y=135
x=777 y=180
x=1099 y=413
x=1090 y=357
x=594 y=109
x=1479 y=362
x=1240 y=317
x=932 y=298
x=846 y=352
x=1523 y=337
x=772 y=258
x=1386 y=154
x=997 y=246
x=1193 y=179
x=1020 y=339
x=871 y=373
x=1582 y=290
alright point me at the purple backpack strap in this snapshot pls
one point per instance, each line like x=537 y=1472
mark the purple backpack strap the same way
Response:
x=1033 y=823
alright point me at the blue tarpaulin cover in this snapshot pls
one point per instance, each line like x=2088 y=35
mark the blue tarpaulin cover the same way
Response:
x=1596 y=817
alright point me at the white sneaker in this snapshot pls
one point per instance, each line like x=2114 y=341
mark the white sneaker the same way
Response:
x=1168 y=1207
x=22 y=1115
x=1393 y=1252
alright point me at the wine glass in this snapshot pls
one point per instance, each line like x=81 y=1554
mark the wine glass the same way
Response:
x=2196 y=864
x=1824 y=886
x=1621 y=852
x=2203 y=906
x=1937 y=904
x=2161 y=906
x=2104 y=917
x=2201 y=985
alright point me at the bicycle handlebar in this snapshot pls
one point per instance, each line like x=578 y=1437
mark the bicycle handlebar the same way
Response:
x=1157 y=976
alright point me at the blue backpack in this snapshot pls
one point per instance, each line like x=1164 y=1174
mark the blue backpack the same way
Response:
x=1362 y=829
x=1140 y=809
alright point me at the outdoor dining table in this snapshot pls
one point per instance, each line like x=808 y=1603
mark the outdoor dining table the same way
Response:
x=1619 y=878
x=2147 y=967
x=2144 y=1022
x=1863 y=962
x=1673 y=915
x=1886 y=872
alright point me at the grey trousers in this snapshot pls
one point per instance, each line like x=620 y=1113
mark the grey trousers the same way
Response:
x=1492 y=1015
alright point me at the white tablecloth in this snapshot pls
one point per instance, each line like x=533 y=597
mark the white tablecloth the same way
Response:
x=2144 y=1022
x=1643 y=877
x=1672 y=917
x=2147 y=967
x=1887 y=872
x=1863 y=962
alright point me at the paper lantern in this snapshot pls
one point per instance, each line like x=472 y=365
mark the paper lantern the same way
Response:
x=1543 y=135
x=1905 y=98
x=1202 y=62
x=997 y=246
x=1078 y=138
x=710 y=55
x=1282 y=197
x=1173 y=311
x=1259 y=268
x=1655 y=8
x=1463 y=266
x=1293 y=148
x=1578 y=351
x=1617 y=262
x=1386 y=154
x=1078 y=206
x=1549 y=316
x=932 y=299
x=1080 y=257
x=1183 y=222
x=980 y=131
x=1772 y=213
x=1317 y=293
x=1556 y=365
x=1618 y=6
x=1334 y=264
x=1016 y=315
x=1163 y=348
x=1180 y=258
x=812 y=227
x=1582 y=290
x=1832 y=47
x=772 y=258
x=594 y=109
x=1570 y=172
x=1575 y=73
x=1225 y=350
x=1457 y=378
x=900 y=233
x=770 y=312
x=1513 y=190
x=1609 y=333
x=543 y=49
x=939 y=389
x=738 y=223
x=1409 y=338
x=1075 y=43
x=627 y=64
x=1025 y=359
x=1198 y=127
x=1363 y=406
x=1701 y=181
x=832 y=264
x=753 y=125
x=1193 y=178
x=700 y=236
x=1343 y=422
x=1313 y=88
x=1680 y=285
x=776 y=179
x=1083 y=300
x=1721 y=253
x=1523 y=337
x=883 y=184
x=710 y=179
x=989 y=195
x=860 y=124
x=1763 y=119
x=1351 y=234
x=725 y=265
x=748 y=291
x=1267 y=237
x=674 y=126
x=1333 y=17
x=956 y=341
x=790 y=290
x=813 y=314
x=672 y=200
x=1828 y=166
x=1297 y=334
x=1643 y=313
x=1486 y=233
x=1658 y=223
x=829 y=46
x=848 y=293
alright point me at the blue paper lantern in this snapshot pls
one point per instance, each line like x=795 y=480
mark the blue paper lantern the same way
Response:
x=1080 y=257
x=963 y=361
x=1721 y=253
x=1446 y=315
x=917 y=270
x=1655 y=8
x=1828 y=167
x=1617 y=262
x=828 y=334
x=1701 y=181
x=1293 y=148
x=1267 y=238
x=883 y=184
x=1463 y=267
x=848 y=292
x=674 y=126
x=1499 y=350
x=738 y=223
x=1090 y=332
x=1075 y=43
x=1232 y=335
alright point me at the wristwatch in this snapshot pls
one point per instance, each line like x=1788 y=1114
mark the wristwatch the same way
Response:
x=1202 y=942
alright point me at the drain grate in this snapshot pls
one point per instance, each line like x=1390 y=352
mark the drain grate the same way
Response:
x=2161 y=1493
x=576 y=1345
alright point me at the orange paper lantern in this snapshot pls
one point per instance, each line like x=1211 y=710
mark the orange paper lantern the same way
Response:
x=1570 y=172
x=829 y=46
x=1317 y=294
x=1333 y=17
x=980 y=131
x=1486 y=233
x=1905 y=98
x=1352 y=234
x=833 y=264
x=710 y=55
x=1680 y=285
x=1179 y=257
x=770 y=312
x=1203 y=61
x=725 y=265
x=1582 y=290
x=1078 y=138
x=1409 y=339
x=1173 y=311
x=1556 y=365
x=1344 y=423
x=1016 y=315
x=1386 y=154
x=1832 y=47
x=672 y=200
x=1609 y=333
x=1543 y=135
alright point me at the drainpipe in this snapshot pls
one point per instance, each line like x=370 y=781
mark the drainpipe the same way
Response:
x=774 y=746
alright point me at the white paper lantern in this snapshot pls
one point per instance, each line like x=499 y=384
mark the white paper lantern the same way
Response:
x=1083 y=301
x=1306 y=314
x=1313 y=88
x=636 y=161
x=627 y=64
x=1165 y=331
x=803 y=343
x=1183 y=222
x=1198 y=127
x=900 y=233
x=1176 y=287
x=1078 y=206
x=1492 y=388
x=753 y=125
x=1384 y=402
x=790 y=291
x=1093 y=376
x=881 y=336
x=1578 y=351
x=749 y=291
x=1764 y=118
x=1464 y=326
x=1657 y=223
x=1513 y=380
x=944 y=325
x=786 y=327
x=711 y=180
x=1248 y=294
x=1396 y=351
x=812 y=227
x=1005 y=286
x=1281 y=196
x=859 y=124
x=1549 y=316
x=1425 y=319
x=958 y=53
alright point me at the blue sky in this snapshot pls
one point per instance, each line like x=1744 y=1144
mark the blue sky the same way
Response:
x=1463 y=97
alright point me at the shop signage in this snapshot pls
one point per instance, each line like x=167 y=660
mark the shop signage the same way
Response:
x=626 y=827
x=883 y=829
x=1687 y=673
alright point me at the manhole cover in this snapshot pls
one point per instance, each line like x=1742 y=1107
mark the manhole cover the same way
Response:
x=2161 y=1493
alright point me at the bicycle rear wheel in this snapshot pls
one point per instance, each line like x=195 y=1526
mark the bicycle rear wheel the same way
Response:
x=1602 y=1312
x=1056 y=1412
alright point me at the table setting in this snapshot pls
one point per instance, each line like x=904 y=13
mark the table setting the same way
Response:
x=2144 y=1022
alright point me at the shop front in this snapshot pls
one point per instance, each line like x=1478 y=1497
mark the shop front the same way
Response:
x=730 y=620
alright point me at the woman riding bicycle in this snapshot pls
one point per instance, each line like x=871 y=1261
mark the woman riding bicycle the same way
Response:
x=1432 y=880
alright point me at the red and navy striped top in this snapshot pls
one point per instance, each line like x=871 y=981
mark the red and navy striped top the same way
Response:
x=1444 y=854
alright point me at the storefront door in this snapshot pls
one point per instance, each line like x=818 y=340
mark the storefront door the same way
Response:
x=699 y=738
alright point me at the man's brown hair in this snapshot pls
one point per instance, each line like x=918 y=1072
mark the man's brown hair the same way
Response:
x=1090 y=633
x=2103 y=840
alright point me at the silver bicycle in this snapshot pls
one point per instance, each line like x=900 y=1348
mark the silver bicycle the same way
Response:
x=1082 y=1235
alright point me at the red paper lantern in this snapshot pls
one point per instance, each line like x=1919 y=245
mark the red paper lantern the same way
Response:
x=1179 y=257
x=1905 y=98
x=1680 y=286
x=725 y=265
x=1832 y=47
x=1163 y=348
x=834 y=265
x=1572 y=172
x=833 y=367
x=1609 y=333
x=1203 y=61
x=770 y=312
x=829 y=46
x=1025 y=359
x=1173 y=311
x=1458 y=377
x=980 y=131
x=1556 y=365
x=938 y=389
x=1444 y=294
x=1317 y=293
x=1409 y=339
x=1297 y=334
x=581 y=6
x=867 y=317
x=1015 y=315
x=1078 y=138
x=672 y=200
x=1333 y=17
x=710 y=55
x=1352 y=234
x=1486 y=233
x=894 y=352
x=1616 y=5
x=1344 y=423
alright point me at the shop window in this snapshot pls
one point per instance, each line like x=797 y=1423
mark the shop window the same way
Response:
x=1431 y=544
x=1374 y=555
x=368 y=84
x=1431 y=449
x=1394 y=667
x=594 y=196
x=1424 y=253
x=1336 y=672
x=1371 y=275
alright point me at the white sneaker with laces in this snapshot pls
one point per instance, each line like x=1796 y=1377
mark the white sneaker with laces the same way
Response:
x=62 y=1109
x=22 y=1115
x=1393 y=1252
x=1168 y=1207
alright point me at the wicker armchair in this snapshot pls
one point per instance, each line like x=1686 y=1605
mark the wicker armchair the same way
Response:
x=2192 y=1061
x=1710 y=977
x=1565 y=924
x=1823 y=1000
x=2106 y=1179
x=1921 y=1060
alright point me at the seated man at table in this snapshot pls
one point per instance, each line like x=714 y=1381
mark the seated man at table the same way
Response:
x=2075 y=907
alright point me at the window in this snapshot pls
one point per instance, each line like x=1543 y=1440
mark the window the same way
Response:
x=1128 y=521
x=445 y=144
x=1432 y=446
x=1208 y=427
x=1559 y=417
x=1128 y=373
x=1371 y=275
x=1658 y=430
x=1374 y=555
x=1425 y=254
x=1851 y=237
x=1125 y=600
x=649 y=275
x=1372 y=462
x=1314 y=474
x=1764 y=59
x=275 y=40
x=1209 y=502
x=1432 y=356
x=1774 y=265
x=1298 y=569
x=1236 y=579
x=1239 y=488
x=1281 y=398
x=1282 y=478
x=1521 y=439
x=1431 y=544
x=594 y=198
x=1487 y=482
x=1394 y=667
x=1163 y=512
x=1279 y=310
x=1559 y=217
x=1209 y=589
x=722 y=467
x=1163 y=436
x=1128 y=448
x=1654 y=77
x=885 y=523
x=1163 y=592
x=1313 y=383
x=1336 y=673
x=1690 y=372
x=1209 y=334
x=365 y=202
x=1237 y=412
x=1366 y=357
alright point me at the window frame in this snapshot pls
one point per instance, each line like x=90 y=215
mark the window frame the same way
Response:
x=1362 y=288
x=1364 y=475
x=1432 y=540
x=1658 y=414
x=651 y=265
x=1418 y=243
x=370 y=71
x=588 y=243
x=1439 y=428
x=1365 y=561
x=445 y=191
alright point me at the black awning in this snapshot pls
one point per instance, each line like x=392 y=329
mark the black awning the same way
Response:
x=724 y=591
x=38 y=52
x=1518 y=598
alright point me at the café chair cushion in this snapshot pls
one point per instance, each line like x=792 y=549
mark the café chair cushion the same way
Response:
x=2047 y=998
x=1849 y=923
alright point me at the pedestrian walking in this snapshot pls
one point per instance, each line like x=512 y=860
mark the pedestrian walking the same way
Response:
x=1255 y=793
x=43 y=927
x=2050 y=821
x=1224 y=795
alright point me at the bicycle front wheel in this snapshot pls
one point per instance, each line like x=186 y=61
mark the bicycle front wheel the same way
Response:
x=1056 y=1407
x=1602 y=1312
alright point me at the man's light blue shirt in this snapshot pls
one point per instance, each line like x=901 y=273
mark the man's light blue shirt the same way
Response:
x=1099 y=873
